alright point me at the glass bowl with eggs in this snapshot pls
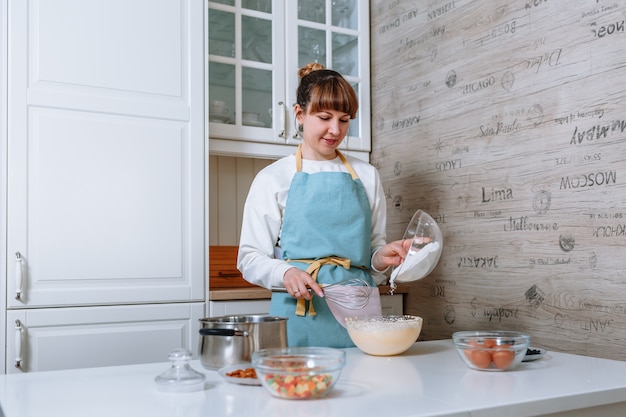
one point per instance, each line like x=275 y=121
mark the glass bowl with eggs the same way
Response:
x=498 y=350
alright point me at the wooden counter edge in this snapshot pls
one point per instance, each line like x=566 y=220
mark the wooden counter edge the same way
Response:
x=229 y=294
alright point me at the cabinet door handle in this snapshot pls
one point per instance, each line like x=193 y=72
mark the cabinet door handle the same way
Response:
x=282 y=119
x=18 y=276
x=18 y=343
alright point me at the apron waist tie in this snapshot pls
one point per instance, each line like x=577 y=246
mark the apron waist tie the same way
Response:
x=314 y=268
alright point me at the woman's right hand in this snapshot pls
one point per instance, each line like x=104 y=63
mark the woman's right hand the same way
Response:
x=297 y=283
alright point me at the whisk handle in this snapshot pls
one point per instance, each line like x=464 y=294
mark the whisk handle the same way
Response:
x=281 y=289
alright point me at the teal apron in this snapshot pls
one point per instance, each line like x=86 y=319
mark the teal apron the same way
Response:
x=327 y=216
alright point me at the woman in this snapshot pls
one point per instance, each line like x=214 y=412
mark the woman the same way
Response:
x=316 y=205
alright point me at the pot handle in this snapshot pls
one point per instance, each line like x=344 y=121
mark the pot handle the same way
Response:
x=222 y=332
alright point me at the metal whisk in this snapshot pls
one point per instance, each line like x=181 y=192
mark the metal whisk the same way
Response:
x=352 y=294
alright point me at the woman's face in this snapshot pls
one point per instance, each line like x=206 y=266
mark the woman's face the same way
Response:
x=322 y=132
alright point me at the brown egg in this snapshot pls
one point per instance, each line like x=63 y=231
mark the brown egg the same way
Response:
x=481 y=359
x=490 y=343
x=502 y=359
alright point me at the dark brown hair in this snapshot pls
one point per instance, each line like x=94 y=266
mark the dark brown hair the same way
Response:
x=322 y=89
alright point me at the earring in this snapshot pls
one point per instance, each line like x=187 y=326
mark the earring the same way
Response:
x=346 y=139
x=299 y=129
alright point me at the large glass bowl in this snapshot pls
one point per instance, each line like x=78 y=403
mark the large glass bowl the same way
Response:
x=499 y=350
x=298 y=373
x=426 y=244
x=385 y=335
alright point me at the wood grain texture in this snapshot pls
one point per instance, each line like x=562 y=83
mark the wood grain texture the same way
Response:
x=229 y=182
x=506 y=121
x=223 y=272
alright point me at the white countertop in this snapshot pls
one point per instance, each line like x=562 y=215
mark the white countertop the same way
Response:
x=428 y=380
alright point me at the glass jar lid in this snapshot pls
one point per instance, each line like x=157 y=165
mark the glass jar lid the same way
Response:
x=180 y=377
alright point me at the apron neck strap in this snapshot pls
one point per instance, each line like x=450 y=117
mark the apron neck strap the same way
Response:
x=339 y=154
x=299 y=158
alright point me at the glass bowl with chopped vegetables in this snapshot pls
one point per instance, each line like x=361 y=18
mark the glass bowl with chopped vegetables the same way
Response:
x=298 y=373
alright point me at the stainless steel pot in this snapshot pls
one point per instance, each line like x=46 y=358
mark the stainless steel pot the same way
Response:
x=230 y=340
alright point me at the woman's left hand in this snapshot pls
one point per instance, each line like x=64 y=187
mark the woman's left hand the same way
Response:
x=392 y=254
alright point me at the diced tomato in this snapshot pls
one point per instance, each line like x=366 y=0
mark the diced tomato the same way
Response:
x=299 y=386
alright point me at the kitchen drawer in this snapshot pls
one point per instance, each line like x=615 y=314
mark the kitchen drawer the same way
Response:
x=238 y=307
x=392 y=304
x=50 y=339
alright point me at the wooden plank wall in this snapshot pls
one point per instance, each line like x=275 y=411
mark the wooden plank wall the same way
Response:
x=229 y=182
x=506 y=121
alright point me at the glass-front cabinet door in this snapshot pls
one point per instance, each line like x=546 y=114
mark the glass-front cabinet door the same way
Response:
x=334 y=33
x=246 y=68
x=255 y=48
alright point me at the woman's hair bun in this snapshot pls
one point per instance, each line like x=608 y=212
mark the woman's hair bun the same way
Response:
x=309 y=68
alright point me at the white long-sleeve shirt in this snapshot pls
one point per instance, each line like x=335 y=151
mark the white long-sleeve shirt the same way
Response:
x=264 y=210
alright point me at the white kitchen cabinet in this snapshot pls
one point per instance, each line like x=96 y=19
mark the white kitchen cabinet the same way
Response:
x=255 y=50
x=105 y=189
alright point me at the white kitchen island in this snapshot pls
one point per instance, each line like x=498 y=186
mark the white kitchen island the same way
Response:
x=428 y=380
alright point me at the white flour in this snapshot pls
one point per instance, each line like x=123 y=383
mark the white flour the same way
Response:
x=417 y=264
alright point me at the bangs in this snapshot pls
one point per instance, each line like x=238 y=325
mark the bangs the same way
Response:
x=334 y=94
